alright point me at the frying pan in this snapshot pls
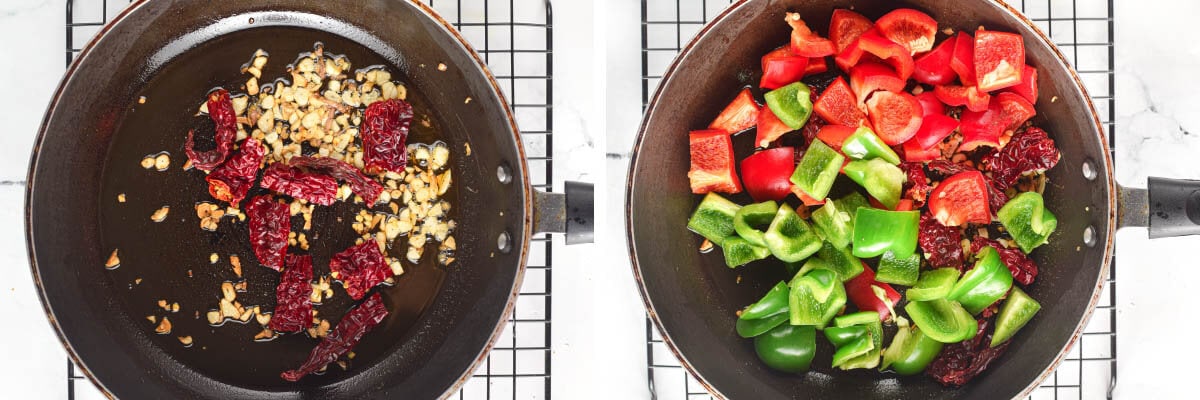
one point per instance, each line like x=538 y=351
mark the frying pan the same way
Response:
x=693 y=297
x=442 y=320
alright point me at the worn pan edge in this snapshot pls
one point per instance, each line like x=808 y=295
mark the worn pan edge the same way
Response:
x=527 y=202
x=1109 y=181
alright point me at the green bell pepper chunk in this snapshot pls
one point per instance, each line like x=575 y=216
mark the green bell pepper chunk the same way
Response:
x=840 y=260
x=789 y=238
x=740 y=252
x=818 y=169
x=713 y=218
x=1016 y=312
x=863 y=144
x=869 y=320
x=749 y=328
x=899 y=270
x=787 y=348
x=850 y=204
x=883 y=181
x=774 y=302
x=848 y=356
x=878 y=231
x=833 y=224
x=1027 y=220
x=792 y=104
x=985 y=283
x=911 y=351
x=815 y=298
x=933 y=285
x=748 y=220
x=843 y=335
x=810 y=264
x=942 y=320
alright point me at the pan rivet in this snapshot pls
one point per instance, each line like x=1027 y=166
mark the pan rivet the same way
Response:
x=503 y=173
x=503 y=242
x=1089 y=236
x=1089 y=170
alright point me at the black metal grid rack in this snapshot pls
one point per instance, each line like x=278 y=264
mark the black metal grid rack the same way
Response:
x=1082 y=29
x=514 y=37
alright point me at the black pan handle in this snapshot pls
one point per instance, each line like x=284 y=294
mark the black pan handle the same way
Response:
x=568 y=212
x=1168 y=207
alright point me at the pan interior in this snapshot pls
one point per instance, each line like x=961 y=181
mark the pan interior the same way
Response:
x=695 y=296
x=171 y=53
x=170 y=260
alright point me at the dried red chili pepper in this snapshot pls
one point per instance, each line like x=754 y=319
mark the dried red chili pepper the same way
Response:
x=345 y=335
x=1024 y=270
x=293 y=302
x=360 y=268
x=270 y=222
x=384 y=132
x=361 y=184
x=917 y=185
x=946 y=168
x=960 y=362
x=316 y=188
x=1029 y=151
x=942 y=244
x=220 y=111
x=233 y=179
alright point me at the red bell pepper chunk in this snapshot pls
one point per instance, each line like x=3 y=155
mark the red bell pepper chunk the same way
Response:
x=805 y=42
x=934 y=128
x=767 y=174
x=904 y=205
x=963 y=61
x=805 y=198
x=739 y=115
x=838 y=105
x=872 y=42
x=868 y=77
x=993 y=127
x=970 y=96
x=858 y=290
x=845 y=26
x=960 y=199
x=933 y=68
x=1014 y=110
x=816 y=65
x=910 y=28
x=770 y=128
x=999 y=59
x=1028 y=87
x=930 y=104
x=895 y=116
x=914 y=152
x=835 y=135
x=712 y=168
x=781 y=67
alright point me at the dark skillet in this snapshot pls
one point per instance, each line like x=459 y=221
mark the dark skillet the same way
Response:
x=692 y=297
x=442 y=319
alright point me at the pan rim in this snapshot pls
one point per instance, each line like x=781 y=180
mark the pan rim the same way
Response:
x=1109 y=182
x=521 y=164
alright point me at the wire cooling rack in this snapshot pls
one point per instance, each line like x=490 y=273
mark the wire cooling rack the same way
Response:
x=515 y=39
x=1082 y=29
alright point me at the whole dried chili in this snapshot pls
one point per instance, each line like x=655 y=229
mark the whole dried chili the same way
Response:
x=316 y=188
x=384 y=132
x=361 y=184
x=942 y=244
x=916 y=187
x=960 y=362
x=293 y=300
x=345 y=335
x=1031 y=150
x=270 y=222
x=233 y=179
x=1024 y=270
x=360 y=268
x=220 y=111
